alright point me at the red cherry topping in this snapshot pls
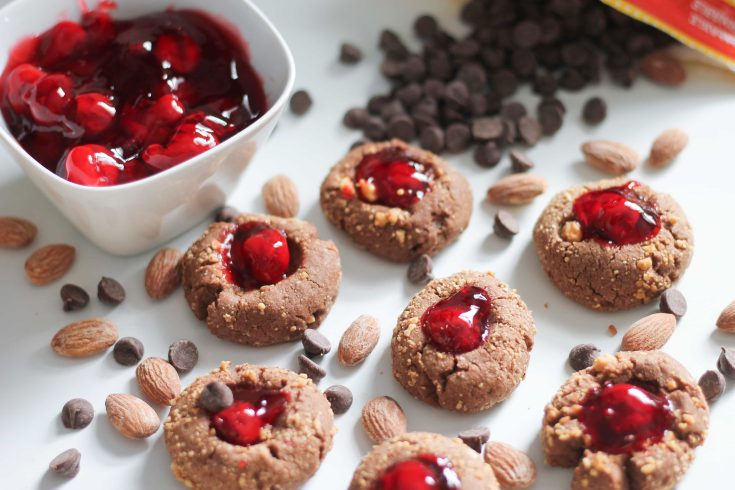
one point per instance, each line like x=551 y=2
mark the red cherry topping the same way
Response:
x=460 y=322
x=61 y=42
x=51 y=99
x=19 y=85
x=617 y=215
x=95 y=113
x=92 y=165
x=257 y=254
x=392 y=178
x=423 y=472
x=623 y=418
x=242 y=422
x=189 y=140
x=178 y=51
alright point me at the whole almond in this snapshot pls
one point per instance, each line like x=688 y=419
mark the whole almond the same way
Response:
x=280 y=196
x=513 y=469
x=662 y=68
x=383 y=418
x=158 y=380
x=649 y=333
x=85 y=337
x=517 y=189
x=610 y=156
x=162 y=276
x=49 y=263
x=358 y=341
x=131 y=416
x=726 y=321
x=667 y=147
x=16 y=232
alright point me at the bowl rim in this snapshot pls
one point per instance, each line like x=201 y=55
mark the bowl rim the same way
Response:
x=273 y=110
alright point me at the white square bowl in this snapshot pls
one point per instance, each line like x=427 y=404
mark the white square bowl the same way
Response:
x=135 y=217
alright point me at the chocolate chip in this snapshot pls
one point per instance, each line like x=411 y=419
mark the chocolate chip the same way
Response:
x=457 y=93
x=545 y=84
x=672 y=301
x=474 y=77
x=594 y=111
x=66 y=464
x=572 y=80
x=300 y=102
x=551 y=120
x=376 y=102
x=313 y=370
x=216 y=396
x=432 y=139
x=530 y=130
x=355 y=118
x=478 y=104
x=487 y=154
x=410 y=94
x=349 y=53
x=475 y=437
x=504 y=82
x=77 y=413
x=419 y=270
x=458 y=137
x=392 y=45
x=526 y=34
x=73 y=297
x=505 y=225
x=402 y=127
x=487 y=128
x=726 y=362
x=340 y=397
x=493 y=58
x=466 y=48
x=392 y=109
x=510 y=132
x=128 y=351
x=574 y=54
x=552 y=102
x=519 y=162
x=226 y=214
x=583 y=356
x=513 y=110
x=315 y=343
x=183 y=355
x=434 y=88
x=374 y=128
x=110 y=291
x=413 y=69
x=523 y=62
x=713 y=385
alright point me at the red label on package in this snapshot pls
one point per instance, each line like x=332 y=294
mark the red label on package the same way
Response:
x=705 y=25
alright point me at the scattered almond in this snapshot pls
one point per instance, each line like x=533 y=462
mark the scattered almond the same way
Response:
x=49 y=263
x=16 y=232
x=610 y=156
x=280 y=196
x=358 y=341
x=131 y=416
x=158 y=380
x=383 y=418
x=85 y=338
x=649 y=333
x=517 y=189
x=662 y=68
x=162 y=276
x=726 y=321
x=667 y=147
x=513 y=469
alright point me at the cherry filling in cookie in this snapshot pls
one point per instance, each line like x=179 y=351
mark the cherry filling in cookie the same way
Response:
x=256 y=254
x=617 y=215
x=392 y=178
x=624 y=418
x=242 y=422
x=458 y=323
x=424 y=472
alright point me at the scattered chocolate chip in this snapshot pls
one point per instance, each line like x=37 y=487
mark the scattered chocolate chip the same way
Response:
x=340 y=397
x=510 y=132
x=487 y=154
x=478 y=104
x=376 y=102
x=433 y=88
x=410 y=94
x=313 y=370
x=73 y=297
x=392 y=45
x=226 y=214
x=487 y=128
x=504 y=82
x=355 y=118
x=432 y=139
x=594 y=111
x=349 y=54
x=474 y=77
x=475 y=437
x=513 y=110
x=458 y=137
x=526 y=34
x=519 y=162
x=128 y=351
x=545 y=84
x=583 y=356
x=456 y=93
x=529 y=130
x=713 y=385
x=183 y=355
x=672 y=301
x=551 y=119
x=110 y=291
x=505 y=225
x=420 y=269
x=523 y=62
x=315 y=343
x=300 y=102
x=402 y=127
x=374 y=128
x=216 y=396
x=66 y=464
x=726 y=362
x=77 y=413
x=392 y=109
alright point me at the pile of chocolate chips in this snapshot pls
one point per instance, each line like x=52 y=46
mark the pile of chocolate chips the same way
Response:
x=455 y=92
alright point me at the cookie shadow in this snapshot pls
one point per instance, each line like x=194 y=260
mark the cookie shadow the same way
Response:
x=111 y=441
x=587 y=173
x=50 y=480
x=155 y=472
